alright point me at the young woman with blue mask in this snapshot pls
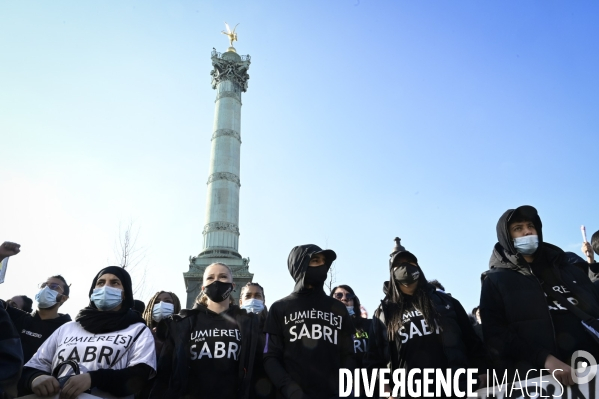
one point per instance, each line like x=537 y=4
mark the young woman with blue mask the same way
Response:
x=109 y=342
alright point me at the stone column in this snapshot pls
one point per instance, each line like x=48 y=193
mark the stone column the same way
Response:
x=221 y=231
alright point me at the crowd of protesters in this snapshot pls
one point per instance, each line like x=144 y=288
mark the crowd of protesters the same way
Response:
x=538 y=306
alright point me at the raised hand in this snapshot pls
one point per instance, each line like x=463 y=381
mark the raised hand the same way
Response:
x=9 y=249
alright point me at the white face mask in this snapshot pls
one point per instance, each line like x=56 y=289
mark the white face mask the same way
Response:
x=253 y=305
x=350 y=310
x=46 y=298
x=162 y=310
x=526 y=245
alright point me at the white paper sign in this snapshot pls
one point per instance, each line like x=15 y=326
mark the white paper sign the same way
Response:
x=3 y=266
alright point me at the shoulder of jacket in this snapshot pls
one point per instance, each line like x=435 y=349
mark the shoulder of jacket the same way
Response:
x=379 y=313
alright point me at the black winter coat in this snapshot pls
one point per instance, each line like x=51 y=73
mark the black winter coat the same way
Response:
x=462 y=347
x=517 y=325
x=173 y=362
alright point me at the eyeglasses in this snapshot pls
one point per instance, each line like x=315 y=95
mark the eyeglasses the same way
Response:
x=348 y=296
x=52 y=286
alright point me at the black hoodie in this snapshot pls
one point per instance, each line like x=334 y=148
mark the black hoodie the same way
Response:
x=309 y=336
x=33 y=330
x=519 y=325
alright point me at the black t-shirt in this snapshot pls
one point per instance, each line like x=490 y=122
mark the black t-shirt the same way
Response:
x=32 y=330
x=570 y=334
x=421 y=345
x=314 y=330
x=214 y=348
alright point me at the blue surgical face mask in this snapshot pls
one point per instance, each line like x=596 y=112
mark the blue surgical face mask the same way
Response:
x=350 y=310
x=106 y=298
x=46 y=298
x=526 y=245
x=253 y=305
x=162 y=310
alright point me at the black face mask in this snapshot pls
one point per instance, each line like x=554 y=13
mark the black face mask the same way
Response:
x=218 y=291
x=406 y=273
x=316 y=275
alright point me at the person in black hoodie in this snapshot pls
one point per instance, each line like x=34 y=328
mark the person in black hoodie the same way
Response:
x=419 y=327
x=347 y=296
x=209 y=351
x=524 y=328
x=109 y=341
x=35 y=328
x=308 y=332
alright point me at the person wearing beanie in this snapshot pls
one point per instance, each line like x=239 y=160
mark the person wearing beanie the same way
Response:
x=417 y=326
x=109 y=341
x=309 y=334
x=210 y=350
x=530 y=299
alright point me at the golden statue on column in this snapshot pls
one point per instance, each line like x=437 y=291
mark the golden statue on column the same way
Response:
x=231 y=35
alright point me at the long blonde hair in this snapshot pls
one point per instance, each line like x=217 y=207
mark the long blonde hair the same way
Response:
x=202 y=298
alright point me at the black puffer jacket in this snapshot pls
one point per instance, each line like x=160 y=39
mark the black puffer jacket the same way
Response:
x=462 y=347
x=172 y=380
x=517 y=325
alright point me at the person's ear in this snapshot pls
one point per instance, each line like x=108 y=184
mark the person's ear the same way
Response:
x=63 y=299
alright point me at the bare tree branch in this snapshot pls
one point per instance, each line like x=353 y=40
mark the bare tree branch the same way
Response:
x=132 y=257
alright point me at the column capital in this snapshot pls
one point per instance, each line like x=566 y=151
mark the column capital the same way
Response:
x=230 y=66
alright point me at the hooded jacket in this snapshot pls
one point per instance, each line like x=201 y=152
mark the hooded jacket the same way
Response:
x=516 y=321
x=174 y=380
x=309 y=335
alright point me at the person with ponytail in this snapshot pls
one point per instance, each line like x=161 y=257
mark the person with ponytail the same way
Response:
x=347 y=296
x=209 y=350
x=108 y=342
x=419 y=327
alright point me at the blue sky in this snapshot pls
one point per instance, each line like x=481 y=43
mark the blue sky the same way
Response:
x=363 y=121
